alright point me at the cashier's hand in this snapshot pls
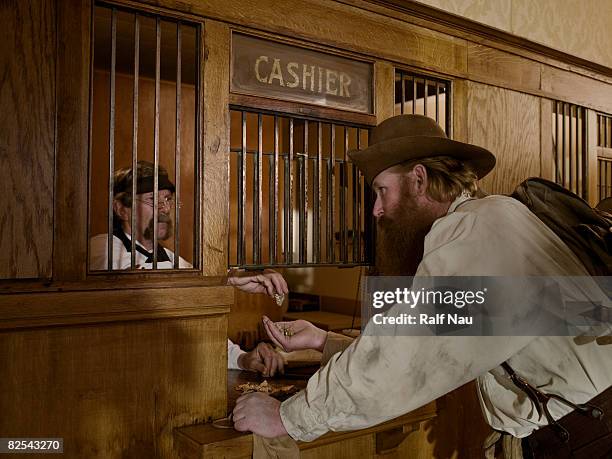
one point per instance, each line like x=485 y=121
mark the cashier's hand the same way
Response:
x=263 y=359
x=260 y=414
x=269 y=282
x=295 y=335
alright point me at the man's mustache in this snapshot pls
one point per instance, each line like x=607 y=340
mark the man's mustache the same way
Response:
x=161 y=218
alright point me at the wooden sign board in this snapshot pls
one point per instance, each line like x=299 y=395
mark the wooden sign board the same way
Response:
x=280 y=71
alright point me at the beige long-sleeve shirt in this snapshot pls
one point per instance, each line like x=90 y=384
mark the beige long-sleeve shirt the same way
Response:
x=378 y=378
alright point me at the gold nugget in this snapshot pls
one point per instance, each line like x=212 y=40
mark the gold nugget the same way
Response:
x=279 y=298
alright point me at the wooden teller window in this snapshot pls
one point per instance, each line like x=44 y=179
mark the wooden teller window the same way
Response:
x=604 y=155
x=296 y=199
x=145 y=112
x=570 y=151
x=423 y=95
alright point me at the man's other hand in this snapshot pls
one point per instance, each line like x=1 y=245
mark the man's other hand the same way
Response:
x=263 y=359
x=260 y=414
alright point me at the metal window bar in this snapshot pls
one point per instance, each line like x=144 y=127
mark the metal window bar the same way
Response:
x=156 y=139
x=604 y=166
x=303 y=205
x=569 y=147
x=604 y=163
x=288 y=185
x=317 y=195
x=257 y=191
x=604 y=130
x=111 y=139
x=329 y=160
x=135 y=136
x=331 y=196
x=411 y=88
x=177 y=147
x=241 y=191
x=343 y=191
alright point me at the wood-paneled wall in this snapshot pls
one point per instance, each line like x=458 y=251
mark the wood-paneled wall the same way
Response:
x=113 y=390
x=27 y=138
x=506 y=123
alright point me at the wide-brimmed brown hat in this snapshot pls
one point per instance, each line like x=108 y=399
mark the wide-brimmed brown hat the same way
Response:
x=407 y=137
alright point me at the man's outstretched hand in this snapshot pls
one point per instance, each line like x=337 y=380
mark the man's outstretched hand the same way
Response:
x=269 y=282
x=295 y=335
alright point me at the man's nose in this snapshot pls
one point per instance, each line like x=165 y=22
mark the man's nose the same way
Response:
x=164 y=208
x=377 y=211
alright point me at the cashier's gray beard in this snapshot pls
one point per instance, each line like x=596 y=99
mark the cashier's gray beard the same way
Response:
x=400 y=237
x=161 y=218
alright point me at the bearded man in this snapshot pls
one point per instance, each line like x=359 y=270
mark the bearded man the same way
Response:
x=430 y=224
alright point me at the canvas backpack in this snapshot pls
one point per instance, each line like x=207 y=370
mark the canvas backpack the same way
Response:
x=585 y=230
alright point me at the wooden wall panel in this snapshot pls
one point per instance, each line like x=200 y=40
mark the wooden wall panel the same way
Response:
x=508 y=124
x=112 y=305
x=503 y=69
x=216 y=127
x=245 y=317
x=72 y=139
x=459 y=104
x=113 y=391
x=577 y=89
x=27 y=137
x=384 y=90
x=341 y=26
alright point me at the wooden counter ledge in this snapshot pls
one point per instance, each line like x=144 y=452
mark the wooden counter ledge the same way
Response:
x=205 y=441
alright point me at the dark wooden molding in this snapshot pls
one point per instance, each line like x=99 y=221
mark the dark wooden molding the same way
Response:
x=112 y=282
x=33 y=310
x=294 y=108
x=463 y=24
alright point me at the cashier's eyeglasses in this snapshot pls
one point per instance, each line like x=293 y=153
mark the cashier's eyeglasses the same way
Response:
x=165 y=204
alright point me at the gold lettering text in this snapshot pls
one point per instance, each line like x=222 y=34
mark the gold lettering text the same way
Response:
x=276 y=73
x=259 y=60
x=345 y=82
x=306 y=74
x=331 y=78
x=296 y=79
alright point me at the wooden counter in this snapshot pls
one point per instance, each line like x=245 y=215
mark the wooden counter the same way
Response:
x=205 y=441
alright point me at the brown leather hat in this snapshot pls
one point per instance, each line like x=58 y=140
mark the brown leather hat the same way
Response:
x=407 y=137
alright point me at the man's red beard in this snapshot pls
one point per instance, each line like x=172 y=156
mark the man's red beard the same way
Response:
x=400 y=238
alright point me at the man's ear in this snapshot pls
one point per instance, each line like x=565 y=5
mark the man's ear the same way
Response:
x=121 y=211
x=420 y=180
